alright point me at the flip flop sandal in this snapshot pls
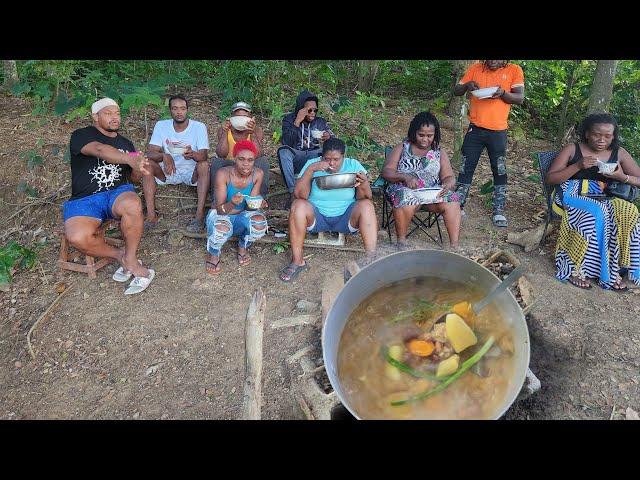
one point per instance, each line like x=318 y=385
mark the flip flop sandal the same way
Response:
x=140 y=284
x=292 y=271
x=244 y=259
x=197 y=226
x=500 y=220
x=215 y=266
x=575 y=281
x=619 y=288
x=121 y=275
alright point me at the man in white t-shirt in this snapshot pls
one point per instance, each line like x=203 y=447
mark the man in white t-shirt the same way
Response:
x=190 y=167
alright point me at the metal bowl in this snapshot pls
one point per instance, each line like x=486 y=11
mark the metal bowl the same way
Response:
x=336 y=180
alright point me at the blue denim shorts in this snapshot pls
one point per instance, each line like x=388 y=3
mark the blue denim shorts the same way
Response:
x=332 y=224
x=97 y=205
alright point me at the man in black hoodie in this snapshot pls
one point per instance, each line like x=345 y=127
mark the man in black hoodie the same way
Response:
x=302 y=131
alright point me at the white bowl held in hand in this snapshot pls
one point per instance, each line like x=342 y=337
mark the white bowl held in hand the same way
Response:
x=239 y=122
x=429 y=195
x=317 y=134
x=176 y=150
x=253 y=203
x=484 y=92
x=608 y=168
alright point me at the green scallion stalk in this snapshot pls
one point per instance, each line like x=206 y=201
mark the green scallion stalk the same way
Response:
x=465 y=366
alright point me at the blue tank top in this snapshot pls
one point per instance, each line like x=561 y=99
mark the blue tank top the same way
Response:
x=231 y=190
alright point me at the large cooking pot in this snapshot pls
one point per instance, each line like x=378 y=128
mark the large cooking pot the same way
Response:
x=416 y=263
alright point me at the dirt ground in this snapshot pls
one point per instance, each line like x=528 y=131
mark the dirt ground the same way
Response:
x=177 y=350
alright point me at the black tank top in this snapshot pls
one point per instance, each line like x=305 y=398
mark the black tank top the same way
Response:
x=590 y=173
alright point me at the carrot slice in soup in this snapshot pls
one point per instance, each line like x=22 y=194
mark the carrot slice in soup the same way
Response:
x=464 y=310
x=421 y=348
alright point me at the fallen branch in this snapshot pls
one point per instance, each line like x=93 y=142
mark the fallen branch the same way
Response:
x=276 y=193
x=253 y=332
x=35 y=203
x=46 y=312
x=305 y=408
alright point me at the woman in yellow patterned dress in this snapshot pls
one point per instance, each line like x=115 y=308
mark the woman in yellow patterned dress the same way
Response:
x=599 y=238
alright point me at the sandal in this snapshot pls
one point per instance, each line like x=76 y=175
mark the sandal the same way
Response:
x=197 y=226
x=291 y=271
x=216 y=269
x=243 y=259
x=579 y=282
x=140 y=284
x=500 y=220
x=619 y=287
x=122 y=274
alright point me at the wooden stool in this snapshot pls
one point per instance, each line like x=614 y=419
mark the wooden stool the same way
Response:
x=65 y=260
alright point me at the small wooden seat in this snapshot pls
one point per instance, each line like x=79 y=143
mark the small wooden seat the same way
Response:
x=66 y=258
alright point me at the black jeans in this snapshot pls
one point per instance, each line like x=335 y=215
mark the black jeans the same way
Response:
x=475 y=141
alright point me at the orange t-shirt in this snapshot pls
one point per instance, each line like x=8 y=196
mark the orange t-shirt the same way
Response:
x=492 y=113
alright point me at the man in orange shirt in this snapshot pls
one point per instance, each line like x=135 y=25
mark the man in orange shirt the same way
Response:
x=488 y=126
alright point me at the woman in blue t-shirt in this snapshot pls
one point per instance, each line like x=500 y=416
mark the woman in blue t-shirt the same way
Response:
x=346 y=210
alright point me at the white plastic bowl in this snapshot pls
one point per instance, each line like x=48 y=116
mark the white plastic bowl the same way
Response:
x=239 y=122
x=253 y=203
x=607 y=167
x=176 y=150
x=427 y=194
x=484 y=92
x=317 y=134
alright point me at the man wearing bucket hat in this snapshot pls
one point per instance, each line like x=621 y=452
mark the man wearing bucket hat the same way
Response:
x=103 y=163
x=239 y=126
x=179 y=154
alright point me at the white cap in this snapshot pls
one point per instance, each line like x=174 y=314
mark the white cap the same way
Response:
x=100 y=104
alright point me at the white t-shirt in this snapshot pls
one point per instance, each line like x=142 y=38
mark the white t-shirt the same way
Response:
x=195 y=135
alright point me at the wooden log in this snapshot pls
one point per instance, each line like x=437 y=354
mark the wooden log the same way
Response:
x=529 y=239
x=266 y=239
x=253 y=332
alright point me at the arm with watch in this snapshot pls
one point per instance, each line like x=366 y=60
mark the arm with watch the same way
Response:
x=628 y=170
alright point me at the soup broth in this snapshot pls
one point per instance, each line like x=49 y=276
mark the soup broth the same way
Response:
x=407 y=310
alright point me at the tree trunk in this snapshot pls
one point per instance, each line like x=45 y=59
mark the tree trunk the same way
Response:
x=560 y=136
x=367 y=71
x=457 y=109
x=10 y=74
x=602 y=86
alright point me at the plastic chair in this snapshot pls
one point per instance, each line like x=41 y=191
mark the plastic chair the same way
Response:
x=545 y=159
x=422 y=219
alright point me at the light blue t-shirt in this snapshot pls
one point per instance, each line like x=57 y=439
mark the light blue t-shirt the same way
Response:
x=333 y=203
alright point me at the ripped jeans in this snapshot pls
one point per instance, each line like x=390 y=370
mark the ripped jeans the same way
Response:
x=248 y=225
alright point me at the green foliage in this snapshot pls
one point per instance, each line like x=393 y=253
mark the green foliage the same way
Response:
x=67 y=88
x=13 y=256
x=486 y=193
x=280 y=247
x=24 y=187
